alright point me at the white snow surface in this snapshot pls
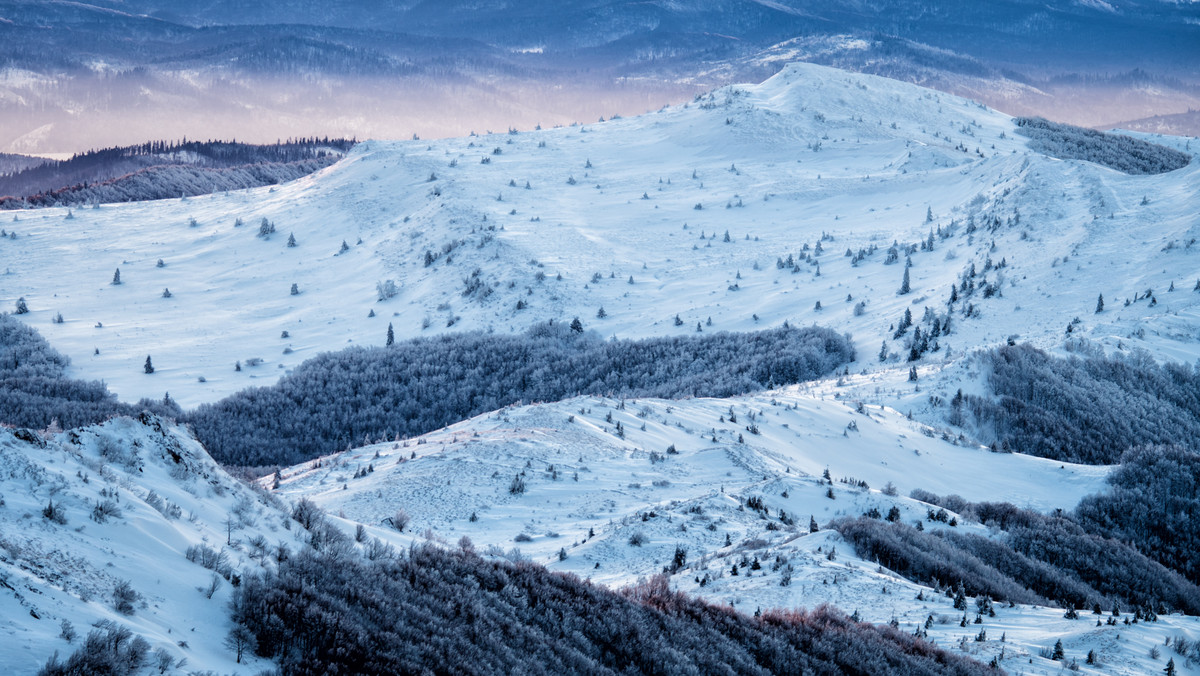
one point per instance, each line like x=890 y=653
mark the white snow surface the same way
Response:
x=51 y=572
x=590 y=489
x=812 y=155
x=889 y=155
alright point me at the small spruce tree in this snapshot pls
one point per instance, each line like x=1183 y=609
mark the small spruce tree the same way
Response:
x=391 y=337
x=116 y=277
x=148 y=367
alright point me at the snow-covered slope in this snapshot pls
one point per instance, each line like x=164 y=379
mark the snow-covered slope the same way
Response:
x=589 y=490
x=692 y=212
x=133 y=496
x=812 y=156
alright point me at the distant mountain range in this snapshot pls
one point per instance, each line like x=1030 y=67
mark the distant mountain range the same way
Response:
x=83 y=75
x=827 y=339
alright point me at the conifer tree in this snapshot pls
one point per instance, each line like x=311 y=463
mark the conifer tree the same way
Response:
x=391 y=337
x=149 y=367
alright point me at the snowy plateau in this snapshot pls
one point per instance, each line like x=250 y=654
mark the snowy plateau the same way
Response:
x=745 y=209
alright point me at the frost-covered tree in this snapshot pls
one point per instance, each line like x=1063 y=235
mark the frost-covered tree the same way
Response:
x=295 y=289
x=517 y=487
x=116 y=277
x=386 y=289
x=391 y=337
x=124 y=597
x=240 y=640
x=148 y=367
x=291 y=240
x=22 y=308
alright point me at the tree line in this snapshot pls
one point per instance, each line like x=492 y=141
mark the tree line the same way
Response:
x=409 y=388
x=1133 y=546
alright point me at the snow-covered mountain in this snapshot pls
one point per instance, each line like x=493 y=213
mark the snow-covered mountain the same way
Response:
x=220 y=69
x=686 y=212
x=801 y=200
x=135 y=505
x=614 y=505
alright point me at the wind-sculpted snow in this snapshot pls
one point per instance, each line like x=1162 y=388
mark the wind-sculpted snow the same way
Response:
x=413 y=387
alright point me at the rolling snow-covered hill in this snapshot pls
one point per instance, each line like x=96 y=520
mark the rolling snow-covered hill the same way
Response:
x=132 y=499
x=631 y=215
x=799 y=200
x=614 y=506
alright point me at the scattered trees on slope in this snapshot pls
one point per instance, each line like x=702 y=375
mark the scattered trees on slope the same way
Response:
x=34 y=391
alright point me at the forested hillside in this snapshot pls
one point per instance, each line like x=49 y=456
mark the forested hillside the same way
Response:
x=162 y=170
x=364 y=394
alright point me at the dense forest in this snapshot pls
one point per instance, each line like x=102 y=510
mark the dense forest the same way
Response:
x=1123 y=153
x=1154 y=502
x=363 y=394
x=1088 y=410
x=1133 y=546
x=324 y=613
x=409 y=388
x=160 y=170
